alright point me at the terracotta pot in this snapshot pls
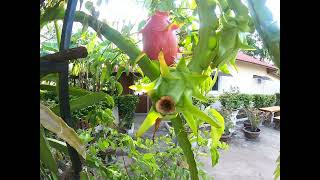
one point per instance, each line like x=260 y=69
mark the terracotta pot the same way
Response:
x=225 y=137
x=249 y=134
x=277 y=124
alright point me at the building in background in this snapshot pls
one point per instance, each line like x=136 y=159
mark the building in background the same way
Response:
x=253 y=77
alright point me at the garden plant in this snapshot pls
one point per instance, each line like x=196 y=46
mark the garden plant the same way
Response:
x=183 y=43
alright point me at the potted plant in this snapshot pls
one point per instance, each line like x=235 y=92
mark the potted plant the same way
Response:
x=253 y=131
x=231 y=100
x=227 y=134
x=228 y=124
x=246 y=123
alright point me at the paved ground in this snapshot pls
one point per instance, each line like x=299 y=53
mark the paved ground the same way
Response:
x=245 y=160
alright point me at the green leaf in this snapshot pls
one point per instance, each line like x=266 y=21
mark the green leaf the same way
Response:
x=266 y=27
x=191 y=122
x=182 y=66
x=84 y=175
x=141 y=24
x=103 y=75
x=74 y=91
x=197 y=94
x=49 y=48
x=50 y=77
x=143 y=87
x=148 y=156
x=56 y=125
x=119 y=88
x=59 y=145
x=224 y=68
x=185 y=145
x=90 y=45
x=214 y=156
x=52 y=13
x=187 y=106
x=193 y=4
x=83 y=102
x=148 y=122
x=46 y=156
x=195 y=78
x=164 y=69
x=121 y=69
x=216 y=115
x=103 y=144
x=277 y=170
x=86 y=137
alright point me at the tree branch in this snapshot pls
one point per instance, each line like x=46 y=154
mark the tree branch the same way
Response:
x=65 y=55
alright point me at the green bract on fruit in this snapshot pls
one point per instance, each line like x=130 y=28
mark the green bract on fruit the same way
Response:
x=172 y=94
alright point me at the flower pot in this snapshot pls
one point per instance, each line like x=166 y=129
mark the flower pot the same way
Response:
x=246 y=123
x=276 y=124
x=130 y=131
x=225 y=137
x=249 y=134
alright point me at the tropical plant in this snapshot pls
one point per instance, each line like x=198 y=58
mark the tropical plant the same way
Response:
x=211 y=40
x=267 y=28
x=56 y=125
x=126 y=106
x=254 y=116
x=261 y=101
x=228 y=124
x=277 y=170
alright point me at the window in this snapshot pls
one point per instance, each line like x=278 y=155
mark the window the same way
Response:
x=215 y=86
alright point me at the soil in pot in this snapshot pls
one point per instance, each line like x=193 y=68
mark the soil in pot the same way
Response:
x=246 y=123
x=226 y=137
x=248 y=133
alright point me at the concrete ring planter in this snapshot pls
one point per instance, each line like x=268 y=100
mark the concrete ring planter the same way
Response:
x=249 y=134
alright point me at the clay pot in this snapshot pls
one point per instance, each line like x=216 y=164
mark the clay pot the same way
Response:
x=226 y=137
x=249 y=134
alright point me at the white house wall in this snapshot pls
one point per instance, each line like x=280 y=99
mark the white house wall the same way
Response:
x=243 y=79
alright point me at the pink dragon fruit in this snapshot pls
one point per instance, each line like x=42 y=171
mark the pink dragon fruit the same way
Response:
x=158 y=34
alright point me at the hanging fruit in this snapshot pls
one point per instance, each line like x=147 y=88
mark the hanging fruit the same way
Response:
x=172 y=94
x=159 y=34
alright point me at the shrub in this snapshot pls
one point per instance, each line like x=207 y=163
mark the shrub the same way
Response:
x=198 y=103
x=263 y=100
x=236 y=100
x=126 y=106
x=245 y=99
x=278 y=99
x=230 y=100
x=228 y=125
